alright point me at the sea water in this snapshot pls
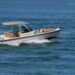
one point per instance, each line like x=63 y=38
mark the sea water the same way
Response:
x=43 y=57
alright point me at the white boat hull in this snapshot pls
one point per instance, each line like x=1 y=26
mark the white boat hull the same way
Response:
x=20 y=40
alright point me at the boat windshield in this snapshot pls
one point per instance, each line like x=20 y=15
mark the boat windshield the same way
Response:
x=25 y=29
x=15 y=28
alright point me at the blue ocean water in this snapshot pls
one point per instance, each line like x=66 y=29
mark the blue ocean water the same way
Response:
x=56 y=58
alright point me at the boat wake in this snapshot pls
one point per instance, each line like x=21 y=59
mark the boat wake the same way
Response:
x=41 y=41
x=17 y=43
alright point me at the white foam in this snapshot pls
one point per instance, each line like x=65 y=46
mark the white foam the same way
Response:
x=40 y=41
x=17 y=43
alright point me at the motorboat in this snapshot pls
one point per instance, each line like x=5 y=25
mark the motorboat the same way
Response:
x=21 y=33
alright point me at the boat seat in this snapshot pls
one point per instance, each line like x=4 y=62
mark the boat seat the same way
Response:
x=11 y=35
x=46 y=30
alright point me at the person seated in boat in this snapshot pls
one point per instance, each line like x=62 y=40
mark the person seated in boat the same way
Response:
x=16 y=31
